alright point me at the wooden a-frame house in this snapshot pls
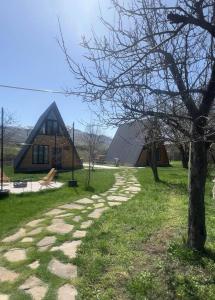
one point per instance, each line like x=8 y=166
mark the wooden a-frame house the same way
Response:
x=48 y=145
x=129 y=146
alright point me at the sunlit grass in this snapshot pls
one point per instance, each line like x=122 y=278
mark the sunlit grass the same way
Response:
x=18 y=209
x=137 y=251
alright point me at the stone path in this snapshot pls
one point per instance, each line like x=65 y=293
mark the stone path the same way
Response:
x=56 y=237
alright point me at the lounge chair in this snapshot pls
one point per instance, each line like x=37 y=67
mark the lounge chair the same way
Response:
x=47 y=180
x=49 y=174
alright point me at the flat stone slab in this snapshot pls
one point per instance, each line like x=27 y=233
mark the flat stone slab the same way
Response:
x=77 y=219
x=27 y=240
x=16 y=236
x=34 y=265
x=64 y=215
x=33 y=186
x=104 y=194
x=79 y=234
x=98 y=205
x=117 y=198
x=72 y=206
x=114 y=203
x=54 y=212
x=113 y=190
x=34 y=287
x=35 y=231
x=34 y=223
x=133 y=189
x=86 y=224
x=7 y=275
x=15 y=255
x=97 y=213
x=58 y=220
x=5 y=297
x=117 y=184
x=47 y=241
x=60 y=227
x=68 y=248
x=66 y=271
x=84 y=201
x=67 y=292
x=95 y=197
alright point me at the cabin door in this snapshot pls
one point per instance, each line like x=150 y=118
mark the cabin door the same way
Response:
x=57 y=158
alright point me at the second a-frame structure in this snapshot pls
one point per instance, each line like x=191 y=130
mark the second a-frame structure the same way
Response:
x=48 y=145
x=131 y=148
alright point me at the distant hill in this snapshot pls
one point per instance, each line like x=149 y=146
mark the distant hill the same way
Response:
x=18 y=135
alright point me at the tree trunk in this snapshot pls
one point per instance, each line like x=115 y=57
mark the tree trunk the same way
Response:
x=184 y=156
x=197 y=179
x=153 y=162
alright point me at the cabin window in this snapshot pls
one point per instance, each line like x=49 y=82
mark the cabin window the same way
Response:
x=52 y=127
x=43 y=129
x=40 y=154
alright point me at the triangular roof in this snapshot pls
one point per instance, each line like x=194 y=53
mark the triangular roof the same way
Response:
x=34 y=132
x=127 y=143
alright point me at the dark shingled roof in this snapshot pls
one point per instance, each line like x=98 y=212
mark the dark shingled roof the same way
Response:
x=127 y=143
x=34 y=132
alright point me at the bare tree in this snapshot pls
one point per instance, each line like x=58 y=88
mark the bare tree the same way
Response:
x=152 y=140
x=158 y=61
x=9 y=126
x=92 y=140
x=178 y=139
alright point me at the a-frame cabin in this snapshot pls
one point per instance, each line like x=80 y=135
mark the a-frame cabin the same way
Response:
x=129 y=146
x=48 y=145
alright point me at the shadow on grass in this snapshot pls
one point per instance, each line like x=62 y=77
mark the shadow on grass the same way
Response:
x=90 y=189
x=180 y=187
x=190 y=256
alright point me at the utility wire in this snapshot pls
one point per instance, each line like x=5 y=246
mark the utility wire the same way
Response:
x=33 y=90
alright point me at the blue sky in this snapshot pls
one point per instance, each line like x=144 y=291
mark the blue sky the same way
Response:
x=31 y=57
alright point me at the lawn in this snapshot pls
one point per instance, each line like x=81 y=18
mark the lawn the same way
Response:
x=138 y=250
x=19 y=209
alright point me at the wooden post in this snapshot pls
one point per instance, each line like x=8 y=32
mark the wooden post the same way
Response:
x=2 y=146
x=73 y=182
x=73 y=150
x=3 y=192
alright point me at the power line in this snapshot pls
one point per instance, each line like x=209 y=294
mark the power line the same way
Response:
x=33 y=89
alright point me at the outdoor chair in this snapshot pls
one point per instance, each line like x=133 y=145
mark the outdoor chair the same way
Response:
x=47 y=180
x=49 y=174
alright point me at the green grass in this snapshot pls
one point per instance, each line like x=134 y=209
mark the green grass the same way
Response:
x=19 y=209
x=137 y=250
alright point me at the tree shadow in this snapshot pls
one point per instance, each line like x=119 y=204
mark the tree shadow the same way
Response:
x=89 y=189
x=190 y=256
x=181 y=187
x=210 y=254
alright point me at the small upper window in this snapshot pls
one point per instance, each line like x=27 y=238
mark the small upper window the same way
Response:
x=43 y=129
x=52 y=127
